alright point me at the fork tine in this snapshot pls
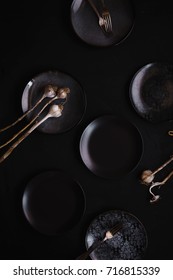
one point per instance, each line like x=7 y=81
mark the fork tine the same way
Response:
x=115 y=228
x=110 y=23
x=107 y=23
x=107 y=17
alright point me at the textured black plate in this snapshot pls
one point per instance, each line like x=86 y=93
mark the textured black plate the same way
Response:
x=151 y=92
x=111 y=147
x=73 y=110
x=130 y=243
x=53 y=202
x=85 y=22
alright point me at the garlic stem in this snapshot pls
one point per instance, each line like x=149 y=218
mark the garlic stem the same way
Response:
x=154 y=184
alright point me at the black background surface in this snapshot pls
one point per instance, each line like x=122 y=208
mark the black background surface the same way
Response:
x=34 y=40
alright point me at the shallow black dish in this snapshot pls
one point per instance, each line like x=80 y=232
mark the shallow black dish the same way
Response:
x=53 y=202
x=85 y=22
x=111 y=147
x=74 y=108
x=130 y=243
x=151 y=92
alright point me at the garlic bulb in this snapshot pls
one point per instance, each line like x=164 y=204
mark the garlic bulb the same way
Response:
x=147 y=177
x=62 y=93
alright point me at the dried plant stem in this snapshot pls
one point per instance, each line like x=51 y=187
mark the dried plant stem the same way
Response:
x=50 y=92
x=162 y=166
x=154 y=184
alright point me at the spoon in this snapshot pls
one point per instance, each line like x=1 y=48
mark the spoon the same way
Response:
x=55 y=111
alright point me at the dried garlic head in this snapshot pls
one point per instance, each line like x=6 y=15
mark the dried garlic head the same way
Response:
x=147 y=177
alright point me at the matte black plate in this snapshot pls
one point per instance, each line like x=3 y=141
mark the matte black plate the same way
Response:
x=74 y=108
x=130 y=243
x=151 y=92
x=111 y=147
x=53 y=202
x=85 y=21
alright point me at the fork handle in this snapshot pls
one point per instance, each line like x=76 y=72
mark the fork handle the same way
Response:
x=94 y=8
x=86 y=254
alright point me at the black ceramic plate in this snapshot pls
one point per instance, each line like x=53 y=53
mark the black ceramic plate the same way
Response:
x=85 y=21
x=111 y=147
x=53 y=202
x=73 y=110
x=130 y=243
x=151 y=92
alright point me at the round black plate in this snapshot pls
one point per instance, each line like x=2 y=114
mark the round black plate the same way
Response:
x=130 y=243
x=151 y=92
x=53 y=202
x=73 y=110
x=111 y=147
x=85 y=21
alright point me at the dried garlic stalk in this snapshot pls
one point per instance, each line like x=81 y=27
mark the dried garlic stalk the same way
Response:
x=147 y=178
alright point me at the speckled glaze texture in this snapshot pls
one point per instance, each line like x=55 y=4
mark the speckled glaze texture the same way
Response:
x=151 y=92
x=130 y=243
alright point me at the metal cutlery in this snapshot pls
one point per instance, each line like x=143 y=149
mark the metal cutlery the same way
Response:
x=105 y=19
x=108 y=235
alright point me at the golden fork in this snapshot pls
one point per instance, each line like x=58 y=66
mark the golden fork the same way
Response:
x=108 y=235
x=107 y=17
x=104 y=20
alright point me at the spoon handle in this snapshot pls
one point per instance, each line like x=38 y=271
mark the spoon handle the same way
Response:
x=86 y=254
x=25 y=135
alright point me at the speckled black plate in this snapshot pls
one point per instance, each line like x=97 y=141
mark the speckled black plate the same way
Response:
x=85 y=21
x=130 y=243
x=74 y=108
x=111 y=147
x=53 y=202
x=151 y=92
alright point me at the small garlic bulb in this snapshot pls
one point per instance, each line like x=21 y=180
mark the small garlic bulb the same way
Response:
x=62 y=93
x=56 y=110
x=50 y=91
x=147 y=177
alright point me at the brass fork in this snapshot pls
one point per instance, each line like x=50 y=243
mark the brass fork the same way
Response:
x=104 y=20
x=108 y=235
x=107 y=17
